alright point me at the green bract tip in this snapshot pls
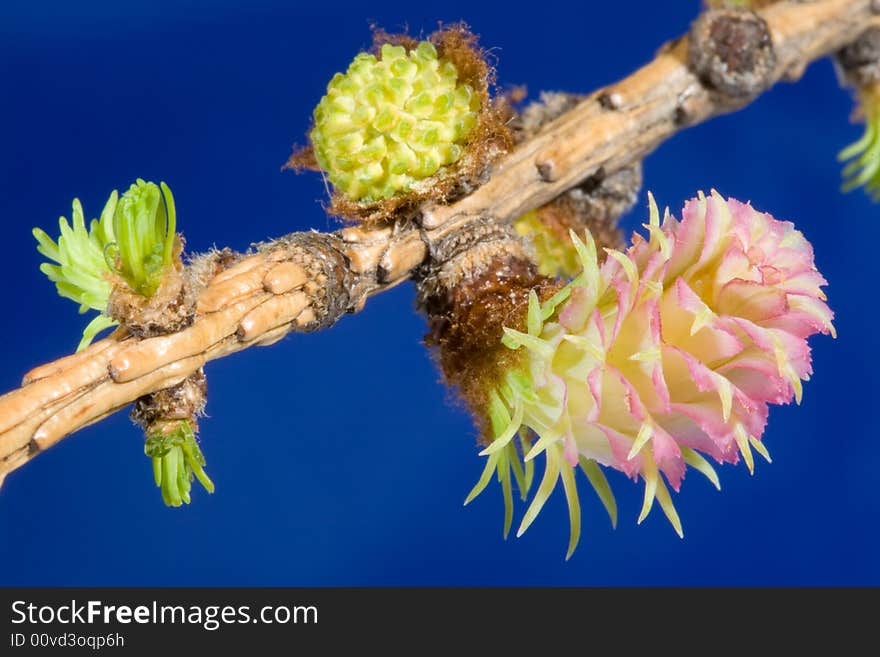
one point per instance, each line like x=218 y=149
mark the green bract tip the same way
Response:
x=863 y=157
x=82 y=273
x=144 y=224
x=176 y=460
x=391 y=121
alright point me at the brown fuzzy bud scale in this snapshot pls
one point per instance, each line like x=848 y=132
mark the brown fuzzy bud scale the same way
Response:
x=171 y=307
x=321 y=256
x=481 y=288
x=169 y=310
x=185 y=401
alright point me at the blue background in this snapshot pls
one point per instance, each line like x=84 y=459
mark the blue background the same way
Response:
x=338 y=457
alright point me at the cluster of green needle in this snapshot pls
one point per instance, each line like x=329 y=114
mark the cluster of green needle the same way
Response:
x=863 y=157
x=176 y=460
x=133 y=240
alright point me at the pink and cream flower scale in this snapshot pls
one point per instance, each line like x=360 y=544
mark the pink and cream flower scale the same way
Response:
x=658 y=358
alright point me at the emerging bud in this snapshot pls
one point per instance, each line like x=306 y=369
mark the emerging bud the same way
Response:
x=132 y=243
x=596 y=206
x=176 y=459
x=391 y=121
x=144 y=224
x=169 y=419
x=673 y=348
x=555 y=254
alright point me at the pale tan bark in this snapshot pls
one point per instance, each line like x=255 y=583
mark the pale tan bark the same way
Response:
x=306 y=281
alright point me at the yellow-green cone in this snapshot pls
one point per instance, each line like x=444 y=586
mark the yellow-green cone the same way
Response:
x=391 y=121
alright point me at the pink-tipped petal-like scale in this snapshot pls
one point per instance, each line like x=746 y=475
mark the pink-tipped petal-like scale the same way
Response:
x=673 y=348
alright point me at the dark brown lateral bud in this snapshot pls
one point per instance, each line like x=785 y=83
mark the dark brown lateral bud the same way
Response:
x=860 y=61
x=732 y=52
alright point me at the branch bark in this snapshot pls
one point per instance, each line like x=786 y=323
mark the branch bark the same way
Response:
x=307 y=281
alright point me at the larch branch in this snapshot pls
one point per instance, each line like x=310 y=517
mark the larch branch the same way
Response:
x=307 y=281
